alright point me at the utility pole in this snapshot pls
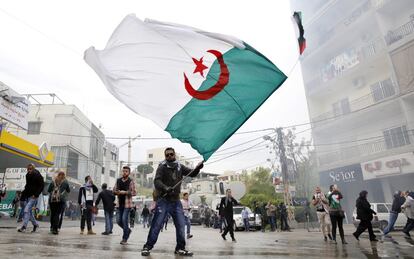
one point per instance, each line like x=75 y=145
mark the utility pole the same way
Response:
x=283 y=163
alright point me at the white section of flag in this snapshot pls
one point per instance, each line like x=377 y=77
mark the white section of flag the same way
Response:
x=143 y=64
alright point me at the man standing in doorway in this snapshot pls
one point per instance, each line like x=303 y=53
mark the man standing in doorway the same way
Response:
x=108 y=199
x=167 y=183
x=124 y=188
x=32 y=190
x=85 y=201
x=226 y=207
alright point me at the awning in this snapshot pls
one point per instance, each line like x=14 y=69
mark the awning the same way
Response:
x=17 y=152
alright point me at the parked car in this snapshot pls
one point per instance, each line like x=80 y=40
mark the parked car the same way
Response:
x=195 y=216
x=381 y=219
x=238 y=221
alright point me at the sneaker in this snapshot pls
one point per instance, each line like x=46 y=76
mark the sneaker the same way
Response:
x=105 y=233
x=22 y=230
x=355 y=235
x=82 y=231
x=344 y=242
x=325 y=238
x=90 y=232
x=233 y=240
x=189 y=236
x=35 y=227
x=407 y=235
x=334 y=241
x=183 y=252
x=123 y=242
x=374 y=240
x=223 y=236
x=55 y=232
x=145 y=251
x=110 y=232
x=330 y=237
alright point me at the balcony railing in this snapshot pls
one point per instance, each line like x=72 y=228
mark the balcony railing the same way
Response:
x=357 y=150
x=399 y=33
x=362 y=102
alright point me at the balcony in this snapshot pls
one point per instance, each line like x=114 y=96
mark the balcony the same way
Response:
x=399 y=33
x=366 y=149
x=381 y=91
x=340 y=64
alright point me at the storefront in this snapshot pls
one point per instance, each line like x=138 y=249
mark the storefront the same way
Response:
x=17 y=153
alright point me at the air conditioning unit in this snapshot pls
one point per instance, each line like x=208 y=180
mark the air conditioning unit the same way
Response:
x=358 y=82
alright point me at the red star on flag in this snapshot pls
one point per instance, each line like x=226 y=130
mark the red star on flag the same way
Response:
x=200 y=67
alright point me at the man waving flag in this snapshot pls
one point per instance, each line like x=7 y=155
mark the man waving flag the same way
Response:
x=198 y=86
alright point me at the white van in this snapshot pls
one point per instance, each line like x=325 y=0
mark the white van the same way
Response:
x=381 y=219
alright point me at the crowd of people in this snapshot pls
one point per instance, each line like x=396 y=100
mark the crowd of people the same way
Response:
x=331 y=215
x=167 y=204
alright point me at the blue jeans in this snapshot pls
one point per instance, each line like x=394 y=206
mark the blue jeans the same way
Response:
x=21 y=213
x=123 y=221
x=391 y=221
x=145 y=220
x=272 y=220
x=109 y=215
x=163 y=208
x=246 y=224
x=187 y=224
x=28 y=212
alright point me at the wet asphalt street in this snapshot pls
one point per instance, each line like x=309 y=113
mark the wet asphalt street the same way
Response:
x=206 y=243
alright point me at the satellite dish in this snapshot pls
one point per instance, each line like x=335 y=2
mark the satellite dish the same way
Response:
x=238 y=189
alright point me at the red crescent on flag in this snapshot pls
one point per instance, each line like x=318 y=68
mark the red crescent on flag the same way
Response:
x=217 y=87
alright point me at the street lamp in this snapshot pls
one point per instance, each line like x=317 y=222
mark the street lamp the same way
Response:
x=129 y=143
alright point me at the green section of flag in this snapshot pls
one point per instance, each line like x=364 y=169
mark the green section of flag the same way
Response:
x=206 y=125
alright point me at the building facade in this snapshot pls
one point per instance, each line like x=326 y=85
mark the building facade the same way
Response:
x=79 y=145
x=358 y=71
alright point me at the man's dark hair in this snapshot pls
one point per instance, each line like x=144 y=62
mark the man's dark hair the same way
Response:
x=86 y=178
x=169 y=148
x=228 y=190
x=127 y=167
x=104 y=186
x=186 y=193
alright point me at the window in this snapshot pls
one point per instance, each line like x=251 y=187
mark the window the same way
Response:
x=113 y=156
x=198 y=187
x=341 y=107
x=150 y=155
x=103 y=170
x=151 y=163
x=382 y=90
x=396 y=137
x=381 y=208
x=112 y=173
x=104 y=151
x=211 y=187
x=34 y=127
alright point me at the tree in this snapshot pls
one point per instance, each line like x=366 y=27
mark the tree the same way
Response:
x=259 y=187
x=145 y=169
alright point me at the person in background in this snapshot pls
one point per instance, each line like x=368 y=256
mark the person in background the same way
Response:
x=108 y=199
x=364 y=214
x=58 y=192
x=15 y=203
x=124 y=188
x=408 y=207
x=145 y=216
x=132 y=216
x=336 y=213
x=86 y=203
x=32 y=190
x=320 y=202
x=226 y=207
x=397 y=202
x=284 y=226
x=245 y=217
x=187 y=205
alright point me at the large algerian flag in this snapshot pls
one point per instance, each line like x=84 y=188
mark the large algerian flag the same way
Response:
x=198 y=86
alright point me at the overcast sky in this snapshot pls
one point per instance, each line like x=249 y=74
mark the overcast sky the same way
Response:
x=42 y=45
